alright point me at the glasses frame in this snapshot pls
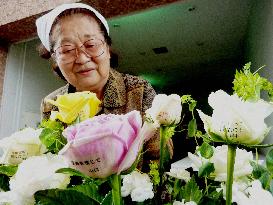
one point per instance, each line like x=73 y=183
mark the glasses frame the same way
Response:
x=77 y=51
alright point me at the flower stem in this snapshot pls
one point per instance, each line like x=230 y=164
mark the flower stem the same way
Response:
x=206 y=183
x=162 y=152
x=230 y=169
x=257 y=155
x=164 y=156
x=115 y=181
x=196 y=140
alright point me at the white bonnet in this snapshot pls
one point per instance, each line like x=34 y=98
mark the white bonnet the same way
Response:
x=44 y=23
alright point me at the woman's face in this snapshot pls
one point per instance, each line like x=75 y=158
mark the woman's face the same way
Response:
x=85 y=72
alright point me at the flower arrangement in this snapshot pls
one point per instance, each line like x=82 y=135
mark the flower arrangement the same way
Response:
x=76 y=157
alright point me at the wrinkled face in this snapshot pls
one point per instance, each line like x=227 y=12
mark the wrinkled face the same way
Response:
x=85 y=72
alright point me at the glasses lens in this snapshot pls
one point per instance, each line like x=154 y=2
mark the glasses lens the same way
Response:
x=66 y=53
x=93 y=47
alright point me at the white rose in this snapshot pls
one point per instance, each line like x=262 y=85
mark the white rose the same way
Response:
x=243 y=194
x=240 y=121
x=183 y=202
x=165 y=109
x=180 y=174
x=257 y=195
x=127 y=185
x=141 y=194
x=138 y=185
x=197 y=161
x=21 y=145
x=184 y=163
x=34 y=174
x=242 y=165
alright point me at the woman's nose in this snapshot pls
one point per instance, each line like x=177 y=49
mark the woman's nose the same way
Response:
x=82 y=57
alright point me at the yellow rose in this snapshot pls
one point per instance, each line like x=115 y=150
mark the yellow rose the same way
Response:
x=83 y=104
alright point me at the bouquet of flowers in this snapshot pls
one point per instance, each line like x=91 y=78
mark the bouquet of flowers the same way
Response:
x=76 y=157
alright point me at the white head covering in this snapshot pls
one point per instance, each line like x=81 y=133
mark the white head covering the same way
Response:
x=44 y=23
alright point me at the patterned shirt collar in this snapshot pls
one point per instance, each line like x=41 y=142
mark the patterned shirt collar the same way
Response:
x=115 y=90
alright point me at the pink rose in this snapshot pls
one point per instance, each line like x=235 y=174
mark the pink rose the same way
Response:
x=105 y=144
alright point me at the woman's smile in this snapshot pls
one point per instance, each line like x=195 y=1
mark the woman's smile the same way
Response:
x=85 y=72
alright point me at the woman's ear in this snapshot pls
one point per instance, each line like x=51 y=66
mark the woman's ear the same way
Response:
x=53 y=58
x=43 y=52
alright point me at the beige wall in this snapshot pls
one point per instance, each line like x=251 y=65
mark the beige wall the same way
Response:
x=14 y=10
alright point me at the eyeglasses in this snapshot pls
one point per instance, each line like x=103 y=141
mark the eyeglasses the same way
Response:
x=92 y=48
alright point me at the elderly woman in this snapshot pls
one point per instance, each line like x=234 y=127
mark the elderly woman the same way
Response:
x=76 y=36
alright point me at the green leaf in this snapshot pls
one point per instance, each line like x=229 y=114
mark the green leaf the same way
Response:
x=206 y=169
x=192 y=127
x=4 y=182
x=265 y=179
x=206 y=150
x=51 y=135
x=192 y=105
x=206 y=137
x=258 y=170
x=216 y=194
x=249 y=85
x=215 y=137
x=191 y=191
x=62 y=197
x=107 y=199
x=269 y=160
x=48 y=136
x=8 y=170
x=74 y=172
x=211 y=195
x=91 y=190
x=176 y=187
x=54 y=125
x=52 y=139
